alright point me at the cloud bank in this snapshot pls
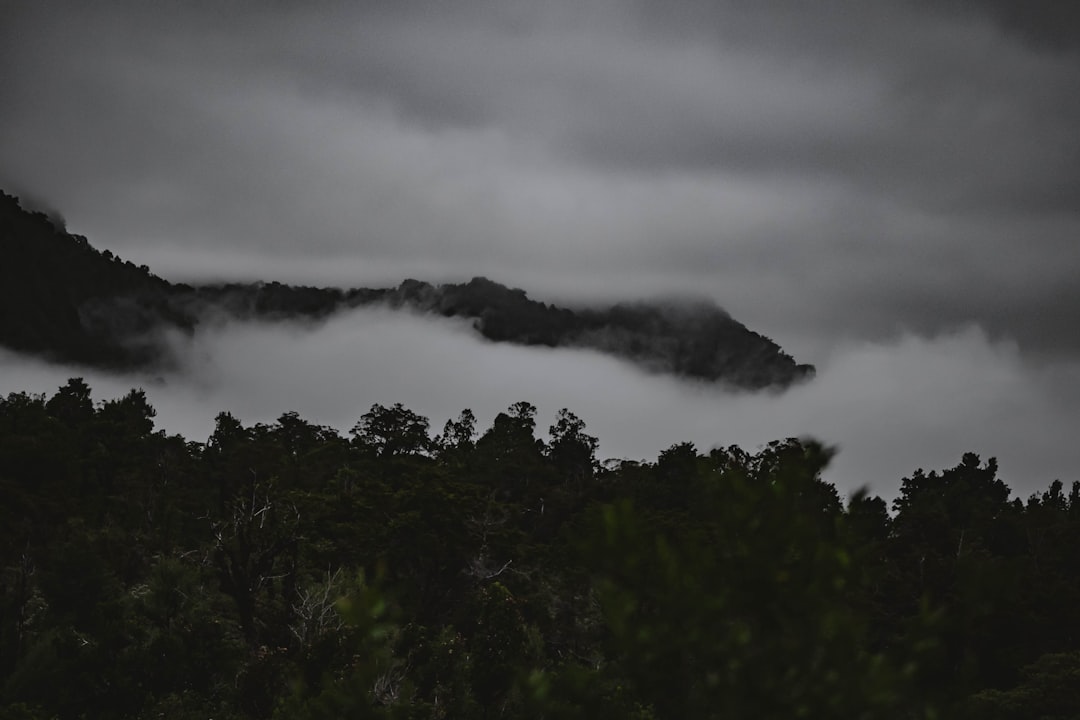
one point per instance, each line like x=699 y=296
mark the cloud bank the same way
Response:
x=889 y=407
x=847 y=170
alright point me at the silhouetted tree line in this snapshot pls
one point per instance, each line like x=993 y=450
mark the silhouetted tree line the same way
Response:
x=61 y=298
x=287 y=570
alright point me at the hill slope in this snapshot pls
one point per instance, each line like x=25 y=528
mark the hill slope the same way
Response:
x=63 y=299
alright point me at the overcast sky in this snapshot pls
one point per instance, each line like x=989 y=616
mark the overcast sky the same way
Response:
x=899 y=177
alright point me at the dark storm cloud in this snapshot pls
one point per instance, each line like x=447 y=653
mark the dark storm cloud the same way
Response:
x=1049 y=25
x=823 y=170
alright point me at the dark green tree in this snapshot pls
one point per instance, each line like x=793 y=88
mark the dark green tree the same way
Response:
x=392 y=431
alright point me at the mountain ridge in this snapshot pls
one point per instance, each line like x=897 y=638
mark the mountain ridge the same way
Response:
x=63 y=299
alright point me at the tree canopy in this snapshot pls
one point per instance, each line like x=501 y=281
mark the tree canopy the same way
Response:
x=283 y=570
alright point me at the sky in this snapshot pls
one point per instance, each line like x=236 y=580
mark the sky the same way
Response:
x=890 y=189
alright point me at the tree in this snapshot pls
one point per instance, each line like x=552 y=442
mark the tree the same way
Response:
x=71 y=404
x=508 y=455
x=458 y=436
x=742 y=610
x=254 y=550
x=394 y=431
x=571 y=449
x=131 y=416
x=955 y=545
x=1048 y=691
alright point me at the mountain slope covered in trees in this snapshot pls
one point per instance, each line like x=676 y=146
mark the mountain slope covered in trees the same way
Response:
x=284 y=570
x=61 y=298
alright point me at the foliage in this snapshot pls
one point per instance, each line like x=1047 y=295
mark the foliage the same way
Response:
x=282 y=570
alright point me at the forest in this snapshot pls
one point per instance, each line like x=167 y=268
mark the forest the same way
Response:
x=288 y=570
x=65 y=300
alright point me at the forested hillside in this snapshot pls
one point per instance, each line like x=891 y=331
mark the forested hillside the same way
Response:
x=61 y=298
x=65 y=300
x=285 y=570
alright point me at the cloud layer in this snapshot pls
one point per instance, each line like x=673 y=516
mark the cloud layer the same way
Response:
x=840 y=170
x=889 y=407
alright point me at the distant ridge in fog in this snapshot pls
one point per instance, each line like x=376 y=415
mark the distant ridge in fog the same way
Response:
x=62 y=299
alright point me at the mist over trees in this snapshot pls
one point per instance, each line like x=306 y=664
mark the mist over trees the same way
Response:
x=63 y=299
x=286 y=570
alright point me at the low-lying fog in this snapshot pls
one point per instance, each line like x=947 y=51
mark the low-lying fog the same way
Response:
x=889 y=407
